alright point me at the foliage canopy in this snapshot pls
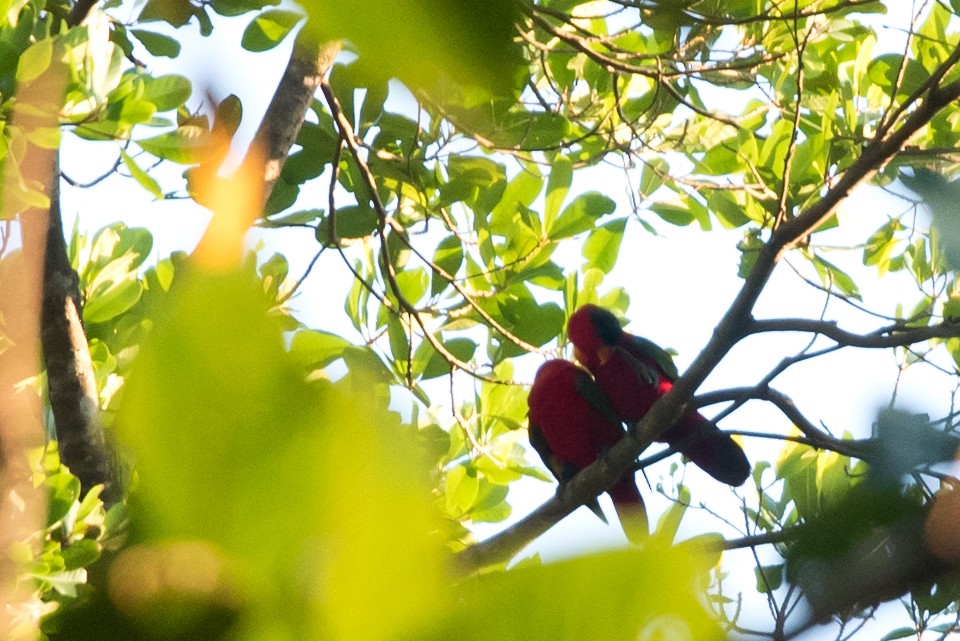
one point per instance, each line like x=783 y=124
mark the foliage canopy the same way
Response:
x=300 y=479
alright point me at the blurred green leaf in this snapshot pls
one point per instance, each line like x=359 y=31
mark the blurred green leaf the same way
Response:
x=186 y=145
x=431 y=42
x=941 y=198
x=594 y=597
x=214 y=389
x=316 y=349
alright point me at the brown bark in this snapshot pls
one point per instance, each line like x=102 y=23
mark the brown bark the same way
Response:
x=71 y=381
x=284 y=117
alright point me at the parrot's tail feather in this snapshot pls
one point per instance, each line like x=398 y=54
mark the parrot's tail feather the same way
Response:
x=594 y=506
x=630 y=508
x=712 y=450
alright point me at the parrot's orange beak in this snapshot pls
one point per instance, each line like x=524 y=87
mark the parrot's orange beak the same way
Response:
x=604 y=354
x=577 y=354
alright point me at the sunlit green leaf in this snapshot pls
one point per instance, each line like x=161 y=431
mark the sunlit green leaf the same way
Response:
x=268 y=29
x=603 y=245
x=581 y=215
x=157 y=44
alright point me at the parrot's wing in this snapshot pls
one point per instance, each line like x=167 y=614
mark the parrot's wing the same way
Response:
x=643 y=347
x=561 y=472
x=588 y=390
x=539 y=443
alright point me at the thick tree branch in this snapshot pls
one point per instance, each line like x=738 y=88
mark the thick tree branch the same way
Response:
x=308 y=64
x=71 y=382
x=731 y=328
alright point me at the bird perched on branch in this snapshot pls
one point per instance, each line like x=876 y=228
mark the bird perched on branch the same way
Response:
x=632 y=372
x=571 y=425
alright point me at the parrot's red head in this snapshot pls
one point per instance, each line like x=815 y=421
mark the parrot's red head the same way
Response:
x=555 y=376
x=594 y=332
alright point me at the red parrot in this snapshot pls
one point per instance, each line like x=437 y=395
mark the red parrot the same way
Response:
x=632 y=372
x=571 y=425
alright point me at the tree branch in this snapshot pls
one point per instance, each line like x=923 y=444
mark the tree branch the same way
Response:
x=897 y=335
x=815 y=437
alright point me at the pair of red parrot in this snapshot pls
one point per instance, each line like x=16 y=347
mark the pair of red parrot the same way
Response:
x=574 y=417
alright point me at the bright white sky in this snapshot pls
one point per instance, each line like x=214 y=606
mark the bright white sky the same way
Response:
x=680 y=284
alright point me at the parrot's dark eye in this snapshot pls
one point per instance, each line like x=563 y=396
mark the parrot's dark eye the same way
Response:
x=607 y=326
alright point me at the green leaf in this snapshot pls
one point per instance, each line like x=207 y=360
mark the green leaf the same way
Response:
x=144 y=179
x=176 y=14
x=294 y=219
x=167 y=92
x=133 y=111
x=884 y=71
x=728 y=209
x=603 y=245
x=669 y=523
x=461 y=487
x=520 y=192
x=650 y=180
x=112 y=300
x=774 y=149
x=434 y=364
x=834 y=277
x=80 y=554
x=899 y=633
x=676 y=213
x=581 y=215
x=64 y=490
x=157 y=44
x=591 y=597
x=268 y=29
x=528 y=320
x=413 y=284
x=91 y=501
x=353 y=221
x=229 y=114
x=769 y=577
x=240 y=7
x=449 y=257
x=558 y=185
